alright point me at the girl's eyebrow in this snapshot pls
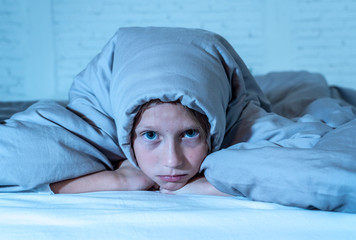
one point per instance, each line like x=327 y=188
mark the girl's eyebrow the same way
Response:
x=147 y=125
x=195 y=127
x=141 y=128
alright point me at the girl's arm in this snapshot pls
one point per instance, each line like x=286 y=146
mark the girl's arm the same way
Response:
x=197 y=185
x=125 y=178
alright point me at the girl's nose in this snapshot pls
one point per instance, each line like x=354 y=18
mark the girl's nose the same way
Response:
x=173 y=157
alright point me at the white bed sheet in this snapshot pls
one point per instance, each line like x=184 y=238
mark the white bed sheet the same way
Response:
x=152 y=215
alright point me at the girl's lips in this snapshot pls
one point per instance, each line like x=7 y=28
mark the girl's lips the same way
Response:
x=172 y=178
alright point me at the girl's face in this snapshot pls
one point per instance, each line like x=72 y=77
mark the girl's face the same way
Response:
x=168 y=146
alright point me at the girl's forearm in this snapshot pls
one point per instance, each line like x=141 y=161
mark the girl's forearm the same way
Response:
x=100 y=181
x=125 y=178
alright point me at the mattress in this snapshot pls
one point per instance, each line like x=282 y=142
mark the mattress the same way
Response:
x=152 y=215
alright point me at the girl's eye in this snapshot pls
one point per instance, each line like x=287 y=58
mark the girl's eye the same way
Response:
x=191 y=133
x=150 y=135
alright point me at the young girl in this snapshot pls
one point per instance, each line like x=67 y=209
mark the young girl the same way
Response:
x=179 y=67
x=174 y=72
x=176 y=110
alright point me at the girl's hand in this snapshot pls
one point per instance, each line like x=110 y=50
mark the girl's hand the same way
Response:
x=125 y=178
x=197 y=185
x=133 y=179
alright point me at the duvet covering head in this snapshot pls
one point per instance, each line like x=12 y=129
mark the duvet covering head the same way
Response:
x=198 y=68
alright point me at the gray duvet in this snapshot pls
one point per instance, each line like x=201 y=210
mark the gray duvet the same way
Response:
x=283 y=137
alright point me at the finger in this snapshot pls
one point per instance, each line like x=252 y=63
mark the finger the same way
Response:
x=165 y=191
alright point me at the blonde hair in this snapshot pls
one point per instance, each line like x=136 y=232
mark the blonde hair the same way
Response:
x=197 y=117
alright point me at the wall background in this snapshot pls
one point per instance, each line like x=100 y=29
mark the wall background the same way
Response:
x=45 y=43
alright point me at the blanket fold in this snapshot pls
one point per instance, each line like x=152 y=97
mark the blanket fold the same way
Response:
x=37 y=150
x=305 y=156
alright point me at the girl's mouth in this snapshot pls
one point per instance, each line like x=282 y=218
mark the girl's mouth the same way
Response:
x=172 y=178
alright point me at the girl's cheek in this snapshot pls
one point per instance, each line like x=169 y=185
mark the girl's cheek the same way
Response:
x=145 y=144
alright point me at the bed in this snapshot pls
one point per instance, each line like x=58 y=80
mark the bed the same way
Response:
x=152 y=215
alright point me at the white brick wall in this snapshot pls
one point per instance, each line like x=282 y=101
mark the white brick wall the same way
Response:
x=45 y=43
x=324 y=39
x=12 y=26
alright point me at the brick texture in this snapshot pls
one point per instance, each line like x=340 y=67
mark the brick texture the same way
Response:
x=270 y=35
x=12 y=27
